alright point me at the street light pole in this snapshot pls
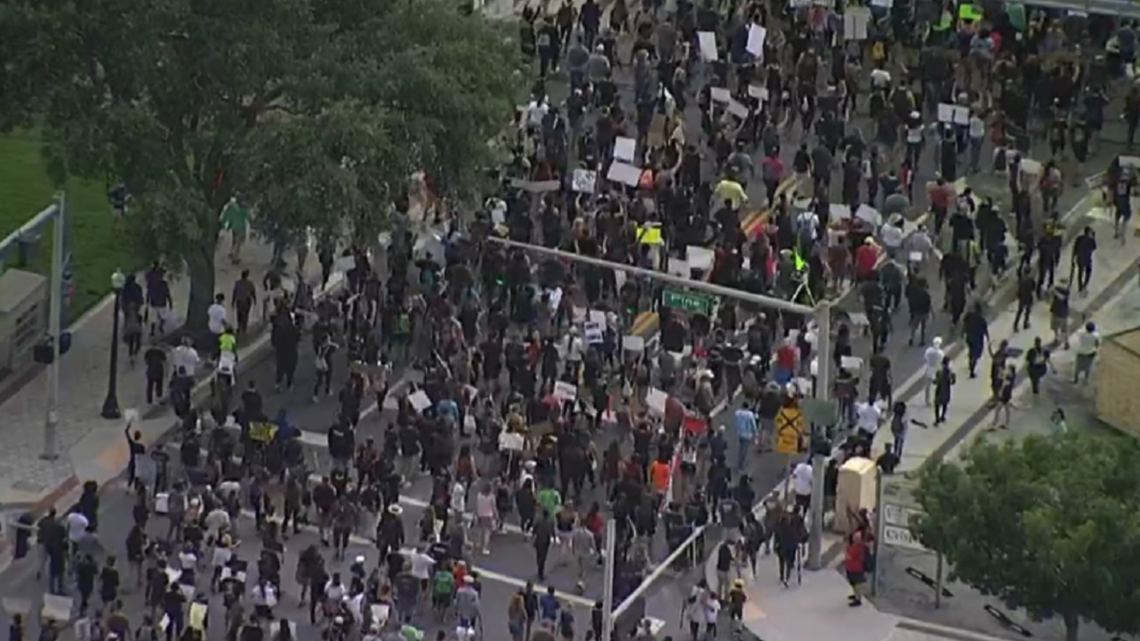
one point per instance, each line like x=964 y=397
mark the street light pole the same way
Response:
x=55 y=325
x=818 y=460
x=111 y=403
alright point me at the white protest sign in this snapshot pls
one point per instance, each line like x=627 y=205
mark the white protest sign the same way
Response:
x=886 y=4
x=633 y=343
x=756 y=35
x=420 y=400
x=707 y=40
x=584 y=181
x=593 y=332
x=565 y=391
x=597 y=316
x=1125 y=161
x=961 y=115
x=625 y=149
x=945 y=112
x=869 y=215
x=699 y=258
x=623 y=173
x=760 y=93
x=720 y=94
x=737 y=109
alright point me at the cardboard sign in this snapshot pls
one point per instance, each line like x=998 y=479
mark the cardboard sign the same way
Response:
x=655 y=399
x=707 y=41
x=625 y=149
x=945 y=112
x=583 y=181
x=633 y=344
x=720 y=94
x=565 y=391
x=624 y=174
x=961 y=115
x=756 y=35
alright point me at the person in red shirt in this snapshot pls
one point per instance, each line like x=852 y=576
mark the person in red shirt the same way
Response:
x=785 y=363
x=865 y=258
x=855 y=564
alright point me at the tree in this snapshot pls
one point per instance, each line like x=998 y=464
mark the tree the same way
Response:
x=315 y=113
x=1051 y=525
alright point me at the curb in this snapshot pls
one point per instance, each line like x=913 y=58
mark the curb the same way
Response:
x=256 y=353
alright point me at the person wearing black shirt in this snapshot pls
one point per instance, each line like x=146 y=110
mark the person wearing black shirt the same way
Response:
x=1059 y=313
x=1083 y=249
x=1026 y=288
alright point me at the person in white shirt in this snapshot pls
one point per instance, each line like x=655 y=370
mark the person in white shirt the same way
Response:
x=867 y=417
x=801 y=485
x=185 y=357
x=536 y=112
x=76 y=526
x=216 y=317
x=891 y=235
x=1087 y=344
x=487 y=514
x=931 y=361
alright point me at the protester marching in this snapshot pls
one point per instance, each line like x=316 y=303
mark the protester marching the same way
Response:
x=482 y=357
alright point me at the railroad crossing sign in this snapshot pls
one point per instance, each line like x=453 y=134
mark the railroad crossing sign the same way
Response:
x=789 y=430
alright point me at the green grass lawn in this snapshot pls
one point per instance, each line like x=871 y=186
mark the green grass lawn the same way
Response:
x=97 y=247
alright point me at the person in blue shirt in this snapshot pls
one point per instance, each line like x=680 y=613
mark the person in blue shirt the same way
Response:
x=744 y=423
x=549 y=608
x=446 y=407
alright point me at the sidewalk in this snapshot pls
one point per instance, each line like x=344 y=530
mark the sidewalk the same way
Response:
x=817 y=608
x=1111 y=260
x=91 y=447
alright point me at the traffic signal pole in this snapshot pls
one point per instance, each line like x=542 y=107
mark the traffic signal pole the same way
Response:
x=821 y=313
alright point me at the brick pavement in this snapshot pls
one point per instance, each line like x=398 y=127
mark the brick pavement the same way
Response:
x=817 y=608
x=91 y=447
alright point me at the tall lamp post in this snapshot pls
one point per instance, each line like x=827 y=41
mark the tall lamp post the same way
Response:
x=111 y=403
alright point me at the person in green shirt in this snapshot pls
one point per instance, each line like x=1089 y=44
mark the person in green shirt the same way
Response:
x=235 y=219
x=550 y=500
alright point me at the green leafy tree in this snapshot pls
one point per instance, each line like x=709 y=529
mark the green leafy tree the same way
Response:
x=314 y=113
x=1050 y=525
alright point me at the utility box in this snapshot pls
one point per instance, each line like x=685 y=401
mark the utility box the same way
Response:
x=23 y=318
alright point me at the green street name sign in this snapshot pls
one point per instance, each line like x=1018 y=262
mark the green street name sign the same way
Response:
x=695 y=303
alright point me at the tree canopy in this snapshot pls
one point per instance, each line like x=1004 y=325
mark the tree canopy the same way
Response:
x=1051 y=525
x=315 y=113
